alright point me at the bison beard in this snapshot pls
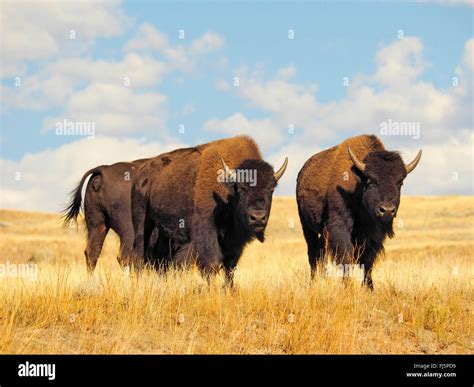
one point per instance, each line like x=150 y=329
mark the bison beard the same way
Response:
x=348 y=204
x=201 y=219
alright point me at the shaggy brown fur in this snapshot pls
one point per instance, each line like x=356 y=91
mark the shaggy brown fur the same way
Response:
x=345 y=208
x=327 y=170
x=162 y=168
x=195 y=212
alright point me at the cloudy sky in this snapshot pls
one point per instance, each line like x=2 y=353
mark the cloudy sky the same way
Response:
x=297 y=77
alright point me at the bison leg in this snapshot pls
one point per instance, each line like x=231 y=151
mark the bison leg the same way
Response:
x=205 y=241
x=367 y=259
x=142 y=228
x=125 y=232
x=208 y=265
x=140 y=245
x=158 y=250
x=229 y=275
x=313 y=242
x=96 y=234
x=341 y=247
x=230 y=265
x=184 y=256
x=124 y=256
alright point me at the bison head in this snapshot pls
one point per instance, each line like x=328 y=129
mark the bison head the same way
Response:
x=251 y=186
x=382 y=174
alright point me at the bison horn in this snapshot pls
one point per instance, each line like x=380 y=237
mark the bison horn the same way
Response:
x=228 y=172
x=281 y=171
x=357 y=163
x=410 y=167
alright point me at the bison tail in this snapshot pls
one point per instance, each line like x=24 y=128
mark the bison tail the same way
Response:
x=71 y=212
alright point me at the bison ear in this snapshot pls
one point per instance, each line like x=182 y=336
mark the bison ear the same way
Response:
x=260 y=236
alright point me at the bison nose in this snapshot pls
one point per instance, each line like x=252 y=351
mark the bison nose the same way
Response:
x=386 y=210
x=258 y=217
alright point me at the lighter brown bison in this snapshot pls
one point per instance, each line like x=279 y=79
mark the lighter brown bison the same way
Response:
x=347 y=197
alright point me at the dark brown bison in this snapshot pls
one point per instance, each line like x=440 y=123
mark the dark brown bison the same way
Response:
x=207 y=203
x=347 y=197
x=106 y=206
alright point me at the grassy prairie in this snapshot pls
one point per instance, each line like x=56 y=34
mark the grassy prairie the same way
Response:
x=422 y=301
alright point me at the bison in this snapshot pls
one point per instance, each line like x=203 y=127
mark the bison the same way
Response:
x=207 y=204
x=347 y=197
x=106 y=206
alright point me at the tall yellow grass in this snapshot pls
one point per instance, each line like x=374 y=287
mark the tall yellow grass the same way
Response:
x=422 y=301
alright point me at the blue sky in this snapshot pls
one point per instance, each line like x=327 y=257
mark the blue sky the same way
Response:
x=189 y=82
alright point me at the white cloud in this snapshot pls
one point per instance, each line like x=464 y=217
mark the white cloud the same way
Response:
x=142 y=70
x=208 y=42
x=110 y=92
x=400 y=63
x=37 y=31
x=58 y=81
x=184 y=57
x=394 y=92
x=297 y=155
x=469 y=54
x=264 y=131
x=148 y=38
x=291 y=104
x=115 y=110
x=444 y=169
x=286 y=73
x=47 y=177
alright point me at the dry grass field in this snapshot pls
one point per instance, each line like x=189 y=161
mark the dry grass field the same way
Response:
x=422 y=301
